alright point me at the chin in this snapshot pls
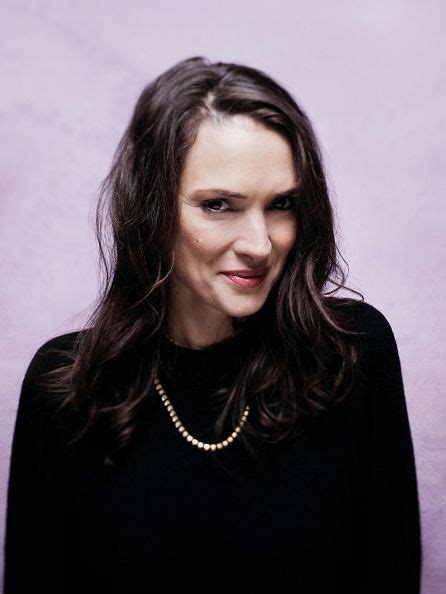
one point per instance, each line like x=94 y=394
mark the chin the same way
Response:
x=237 y=312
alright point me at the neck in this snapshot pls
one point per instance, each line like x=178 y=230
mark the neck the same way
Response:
x=196 y=336
x=198 y=340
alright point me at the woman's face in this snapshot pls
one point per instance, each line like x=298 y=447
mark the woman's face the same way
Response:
x=217 y=233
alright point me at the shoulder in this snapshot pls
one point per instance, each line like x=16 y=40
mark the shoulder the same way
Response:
x=57 y=343
x=370 y=321
x=37 y=409
x=51 y=354
x=378 y=345
x=375 y=339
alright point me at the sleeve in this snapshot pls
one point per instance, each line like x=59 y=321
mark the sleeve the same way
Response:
x=388 y=496
x=35 y=515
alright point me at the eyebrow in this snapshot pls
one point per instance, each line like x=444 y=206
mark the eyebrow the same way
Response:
x=228 y=194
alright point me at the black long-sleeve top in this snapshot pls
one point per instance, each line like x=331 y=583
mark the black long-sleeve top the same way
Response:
x=334 y=510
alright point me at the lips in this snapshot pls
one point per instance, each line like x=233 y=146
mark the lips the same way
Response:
x=247 y=282
x=246 y=273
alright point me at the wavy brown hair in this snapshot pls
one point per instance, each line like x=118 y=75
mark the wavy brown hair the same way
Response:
x=303 y=353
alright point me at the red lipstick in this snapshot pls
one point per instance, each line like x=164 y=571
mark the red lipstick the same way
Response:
x=246 y=278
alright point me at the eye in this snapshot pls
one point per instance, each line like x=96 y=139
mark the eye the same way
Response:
x=292 y=205
x=206 y=205
x=292 y=200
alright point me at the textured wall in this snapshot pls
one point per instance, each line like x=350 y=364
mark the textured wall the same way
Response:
x=370 y=75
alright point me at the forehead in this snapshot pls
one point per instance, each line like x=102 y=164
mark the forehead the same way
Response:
x=238 y=154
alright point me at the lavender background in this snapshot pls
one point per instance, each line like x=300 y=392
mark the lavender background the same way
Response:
x=371 y=77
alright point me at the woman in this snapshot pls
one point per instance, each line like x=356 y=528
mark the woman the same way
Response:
x=221 y=421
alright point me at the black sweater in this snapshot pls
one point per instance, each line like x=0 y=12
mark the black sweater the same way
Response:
x=333 y=511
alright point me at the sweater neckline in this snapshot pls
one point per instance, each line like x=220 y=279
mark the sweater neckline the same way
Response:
x=216 y=348
x=207 y=366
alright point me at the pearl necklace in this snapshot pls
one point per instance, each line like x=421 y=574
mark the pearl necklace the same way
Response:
x=179 y=425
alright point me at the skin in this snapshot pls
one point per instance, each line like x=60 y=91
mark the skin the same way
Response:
x=240 y=155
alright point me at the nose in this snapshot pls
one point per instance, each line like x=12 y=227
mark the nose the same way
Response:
x=253 y=238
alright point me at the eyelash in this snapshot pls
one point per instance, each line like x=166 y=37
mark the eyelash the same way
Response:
x=205 y=205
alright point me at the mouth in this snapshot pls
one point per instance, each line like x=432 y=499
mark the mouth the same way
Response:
x=246 y=282
x=248 y=273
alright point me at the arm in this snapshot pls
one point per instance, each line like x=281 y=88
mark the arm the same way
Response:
x=34 y=542
x=389 y=495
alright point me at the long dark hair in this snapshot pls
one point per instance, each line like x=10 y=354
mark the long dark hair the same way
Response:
x=303 y=351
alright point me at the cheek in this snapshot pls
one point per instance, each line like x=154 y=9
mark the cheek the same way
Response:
x=285 y=236
x=197 y=245
x=203 y=236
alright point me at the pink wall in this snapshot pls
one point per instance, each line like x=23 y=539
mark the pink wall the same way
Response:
x=371 y=77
